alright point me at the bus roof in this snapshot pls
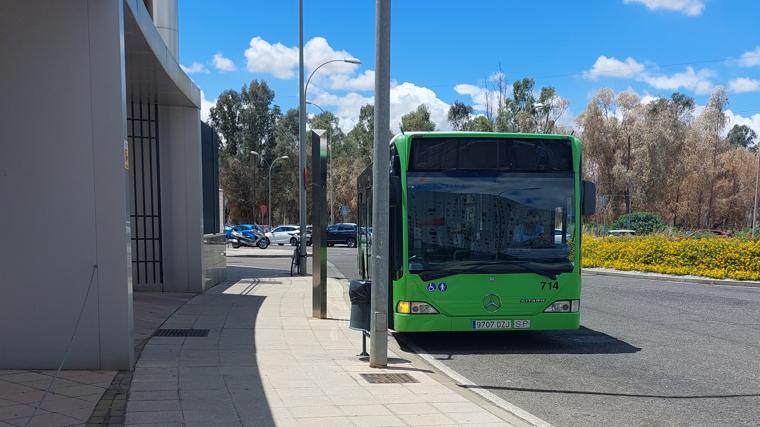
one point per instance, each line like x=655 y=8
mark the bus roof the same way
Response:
x=468 y=134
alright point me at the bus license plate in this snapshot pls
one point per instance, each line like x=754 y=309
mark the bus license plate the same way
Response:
x=491 y=324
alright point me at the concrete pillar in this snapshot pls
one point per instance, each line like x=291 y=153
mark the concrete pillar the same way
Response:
x=63 y=184
x=182 y=198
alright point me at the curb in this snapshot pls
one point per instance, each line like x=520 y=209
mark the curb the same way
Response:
x=671 y=278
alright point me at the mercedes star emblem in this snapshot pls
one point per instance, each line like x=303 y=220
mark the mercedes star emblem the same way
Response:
x=491 y=303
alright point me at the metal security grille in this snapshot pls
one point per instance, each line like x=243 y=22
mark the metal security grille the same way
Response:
x=388 y=378
x=145 y=203
x=181 y=333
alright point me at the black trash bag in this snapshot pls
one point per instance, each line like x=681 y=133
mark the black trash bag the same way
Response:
x=360 y=291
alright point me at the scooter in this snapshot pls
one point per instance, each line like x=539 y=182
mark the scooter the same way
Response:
x=257 y=239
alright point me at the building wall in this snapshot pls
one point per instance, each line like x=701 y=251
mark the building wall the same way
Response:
x=63 y=186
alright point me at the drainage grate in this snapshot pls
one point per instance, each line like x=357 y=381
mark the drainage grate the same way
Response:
x=181 y=333
x=388 y=378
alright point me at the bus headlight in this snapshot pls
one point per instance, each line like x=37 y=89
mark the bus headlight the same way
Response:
x=403 y=307
x=415 y=307
x=564 y=306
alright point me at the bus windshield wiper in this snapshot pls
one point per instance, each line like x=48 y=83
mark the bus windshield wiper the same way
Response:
x=464 y=267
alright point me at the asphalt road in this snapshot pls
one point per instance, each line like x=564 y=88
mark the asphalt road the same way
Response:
x=648 y=353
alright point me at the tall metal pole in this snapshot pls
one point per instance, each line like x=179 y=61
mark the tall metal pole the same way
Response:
x=757 y=184
x=378 y=354
x=271 y=165
x=269 y=203
x=301 y=147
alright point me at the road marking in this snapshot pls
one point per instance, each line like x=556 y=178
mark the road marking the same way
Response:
x=496 y=400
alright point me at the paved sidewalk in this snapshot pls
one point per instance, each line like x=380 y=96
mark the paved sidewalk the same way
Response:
x=71 y=399
x=267 y=362
x=76 y=394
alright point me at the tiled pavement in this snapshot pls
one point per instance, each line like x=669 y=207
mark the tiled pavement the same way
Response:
x=70 y=402
x=267 y=362
x=75 y=395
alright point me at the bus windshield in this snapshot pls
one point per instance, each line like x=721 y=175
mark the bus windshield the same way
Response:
x=490 y=222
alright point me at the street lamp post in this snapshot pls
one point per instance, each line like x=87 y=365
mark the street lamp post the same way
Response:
x=269 y=205
x=757 y=184
x=302 y=136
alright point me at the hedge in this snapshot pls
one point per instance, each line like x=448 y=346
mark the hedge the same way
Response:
x=714 y=257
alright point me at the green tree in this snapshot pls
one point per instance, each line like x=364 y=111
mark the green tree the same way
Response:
x=641 y=222
x=225 y=117
x=479 y=124
x=418 y=120
x=742 y=136
x=258 y=117
x=459 y=114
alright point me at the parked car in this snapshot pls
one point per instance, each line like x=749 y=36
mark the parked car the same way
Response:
x=284 y=234
x=307 y=235
x=342 y=234
x=247 y=235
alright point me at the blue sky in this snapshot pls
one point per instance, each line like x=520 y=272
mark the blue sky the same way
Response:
x=443 y=51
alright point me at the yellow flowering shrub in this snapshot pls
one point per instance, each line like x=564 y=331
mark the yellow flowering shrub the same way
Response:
x=715 y=257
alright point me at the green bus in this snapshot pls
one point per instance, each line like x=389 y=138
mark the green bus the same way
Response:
x=484 y=231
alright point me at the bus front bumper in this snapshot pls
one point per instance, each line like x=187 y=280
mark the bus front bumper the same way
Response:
x=442 y=323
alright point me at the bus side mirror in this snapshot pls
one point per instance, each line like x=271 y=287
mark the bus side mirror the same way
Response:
x=588 y=198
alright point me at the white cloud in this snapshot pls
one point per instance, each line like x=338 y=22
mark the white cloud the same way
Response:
x=611 y=67
x=346 y=106
x=497 y=76
x=275 y=59
x=205 y=107
x=687 y=7
x=481 y=97
x=222 y=63
x=405 y=97
x=646 y=99
x=750 y=58
x=316 y=51
x=362 y=82
x=195 y=67
x=744 y=84
x=736 y=119
x=697 y=81
x=282 y=61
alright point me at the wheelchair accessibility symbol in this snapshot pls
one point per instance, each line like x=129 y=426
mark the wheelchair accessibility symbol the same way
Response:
x=431 y=287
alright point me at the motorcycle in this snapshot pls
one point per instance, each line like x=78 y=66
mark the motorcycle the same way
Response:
x=250 y=238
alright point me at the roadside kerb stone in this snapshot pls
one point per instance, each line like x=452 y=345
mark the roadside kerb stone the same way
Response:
x=671 y=277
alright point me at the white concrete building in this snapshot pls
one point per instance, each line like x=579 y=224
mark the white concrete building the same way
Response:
x=100 y=177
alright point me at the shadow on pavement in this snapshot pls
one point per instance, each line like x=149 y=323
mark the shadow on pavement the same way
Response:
x=237 y=354
x=239 y=272
x=580 y=341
